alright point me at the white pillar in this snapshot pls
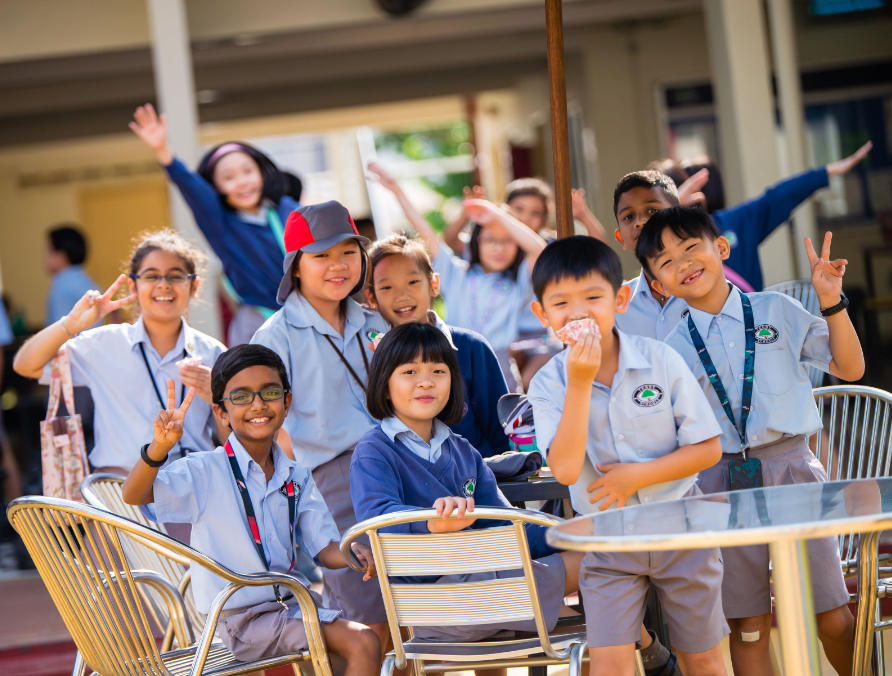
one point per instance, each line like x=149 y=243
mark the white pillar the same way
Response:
x=175 y=90
x=786 y=70
x=738 y=57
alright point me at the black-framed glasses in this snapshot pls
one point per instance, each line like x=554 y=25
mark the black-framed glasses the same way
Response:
x=243 y=397
x=175 y=279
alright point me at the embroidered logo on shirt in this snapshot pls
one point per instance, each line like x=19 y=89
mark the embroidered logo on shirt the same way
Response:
x=766 y=333
x=375 y=336
x=468 y=487
x=731 y=236
x=648 y=395
x=283 y=491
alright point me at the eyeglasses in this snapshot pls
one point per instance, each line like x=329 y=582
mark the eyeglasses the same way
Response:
x=243 y=398
x=173 y=280
x=493 y=243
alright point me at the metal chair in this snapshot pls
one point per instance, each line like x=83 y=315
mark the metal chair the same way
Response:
x=74 y=547
x=104 y=492
x=463 y=604
x=803 y=291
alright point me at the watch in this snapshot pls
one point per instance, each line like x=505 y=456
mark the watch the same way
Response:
x=839 y=307
x=146 y=459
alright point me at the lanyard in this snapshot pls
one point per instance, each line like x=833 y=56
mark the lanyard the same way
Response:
x=749 y=369
x=365 y=360
x=252 y=519
x=275 y=224
x=155 y=385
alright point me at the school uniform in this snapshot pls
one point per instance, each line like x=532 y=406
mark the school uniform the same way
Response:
x=327 y=418
x=395 y=470
x=783 y=416
x=653 y=407
x=201 y=490
x=108 y=360
x=67 y=287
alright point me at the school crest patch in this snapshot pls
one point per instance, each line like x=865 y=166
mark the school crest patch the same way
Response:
x=648 y=395
x=766 y=333
x=283 y=491
x=468 y=487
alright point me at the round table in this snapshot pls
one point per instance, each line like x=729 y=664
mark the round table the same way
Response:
x=783 y=517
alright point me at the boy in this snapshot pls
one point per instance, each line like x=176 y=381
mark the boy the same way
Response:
x=747 y=351
x=66 y=251
x=624 y=422
x=250 y=481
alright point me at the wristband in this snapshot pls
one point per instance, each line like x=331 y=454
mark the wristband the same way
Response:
x=839 y=307
x=146 y=459
x=67 y=332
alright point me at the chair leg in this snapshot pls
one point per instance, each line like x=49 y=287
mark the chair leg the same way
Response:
x=577 y=652
x=79 y=665
x=387 y=667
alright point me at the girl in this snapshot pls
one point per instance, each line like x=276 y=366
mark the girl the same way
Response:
x=127 y=365
x=322 y=337
x=237 y=198
x=413 y=460
x=402 y=289
x=488 y=293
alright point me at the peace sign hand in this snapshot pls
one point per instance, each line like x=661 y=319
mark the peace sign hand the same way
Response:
x=168 y=425
x=93 y=306
x=826 y=275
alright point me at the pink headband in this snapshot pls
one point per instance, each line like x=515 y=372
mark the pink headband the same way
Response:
x=225 y=149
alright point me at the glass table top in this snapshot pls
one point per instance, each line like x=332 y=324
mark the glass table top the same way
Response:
x=747 y=517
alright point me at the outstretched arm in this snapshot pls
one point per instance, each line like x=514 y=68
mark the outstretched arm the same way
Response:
x=419 y=223
x=485 y=212
x=152 y=129
x=584 y=215
x=453 y=230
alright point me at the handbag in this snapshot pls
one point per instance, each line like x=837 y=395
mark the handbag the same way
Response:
x=63 y=456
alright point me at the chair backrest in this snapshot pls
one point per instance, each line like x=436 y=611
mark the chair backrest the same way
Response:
x=856 y=442
x=103 y=491
x=503 y=547
x=803 y=291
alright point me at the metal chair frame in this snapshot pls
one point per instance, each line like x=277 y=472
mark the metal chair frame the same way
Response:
x=75 y=548
x=803 y=291
x=470 y=603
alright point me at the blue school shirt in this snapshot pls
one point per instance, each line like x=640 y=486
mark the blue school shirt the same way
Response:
x=6 y=336
x=387 y=477
x=645 y=316
x=251 y=255
x=328 y=414
x=653 y=407
x=108 y=361
x=200 y=489
x=67 y=287
x=488 y=303
x=787 y=338
x=748 y=224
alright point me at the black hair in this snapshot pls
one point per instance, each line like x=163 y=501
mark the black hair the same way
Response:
x=69 y=240
x=273 y=181
x=475 y=253
x=671 y=168
x=645 y=179
x=577 y=256
x=294 y=187
x=402 y=345
x=683 y=222
x=714 y=190
x=237 y=359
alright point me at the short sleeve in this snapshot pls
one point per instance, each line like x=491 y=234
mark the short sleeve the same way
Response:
x=546 y=394
x=451 y=269
x=274 y=335
x=694 y=418
x=813 y=336
x=316 y=528
x=180 y=491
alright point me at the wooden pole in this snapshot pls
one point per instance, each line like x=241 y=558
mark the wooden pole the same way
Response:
x=560 y=138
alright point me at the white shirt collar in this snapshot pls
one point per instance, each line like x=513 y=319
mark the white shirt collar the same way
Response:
x=393 y=427
x=186 y=340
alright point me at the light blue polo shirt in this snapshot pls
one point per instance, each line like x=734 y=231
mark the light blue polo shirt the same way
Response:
x=645 y=316
x=397 y=430
x=6 y=336
x=489 y=303
x=328 y=413
x=653 y=407
x=787 y=338
x=108 y=361
x=67 y=287
x=200 y=489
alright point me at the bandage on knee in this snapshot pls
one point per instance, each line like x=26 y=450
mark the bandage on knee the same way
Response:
x=750 y=636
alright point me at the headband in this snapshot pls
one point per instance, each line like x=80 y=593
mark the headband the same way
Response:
x=225 y=149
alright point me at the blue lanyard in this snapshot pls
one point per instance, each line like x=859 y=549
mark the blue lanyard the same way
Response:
x=749 y=369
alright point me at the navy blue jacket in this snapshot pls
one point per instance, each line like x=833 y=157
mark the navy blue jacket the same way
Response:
x=386 y=477
x=484 y=384
x=746 y=225
x=252 y=258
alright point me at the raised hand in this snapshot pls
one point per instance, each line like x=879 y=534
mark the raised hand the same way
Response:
x=580 y=208
x=584 y=359
x=690 y=192
x=481 y=211
x=168 y=425
x=826 y=275
x=152 y=129
x=197 y=376
x=93 y=306
x=845 y=165
x=382 y=176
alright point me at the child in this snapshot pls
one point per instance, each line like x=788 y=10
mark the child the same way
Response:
x=66 y=252
x=323 y=337
x=624 y=422
x=125 y=366
x=402 y=289
x=488 y=293
x=747 y=351
x=413 y=460
x=250 y=508
x=237 y=198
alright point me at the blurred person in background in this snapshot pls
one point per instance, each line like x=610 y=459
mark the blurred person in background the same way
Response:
x=66 y=252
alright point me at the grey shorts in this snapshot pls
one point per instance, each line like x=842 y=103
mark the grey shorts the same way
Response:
x=614 y=587
x=344 y=588
x=745 y=589
x=549 y=574
x=268 y=629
